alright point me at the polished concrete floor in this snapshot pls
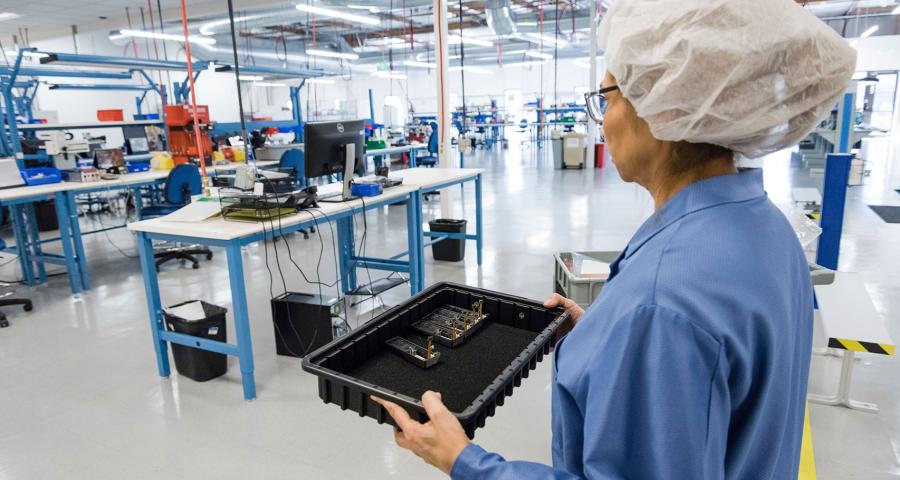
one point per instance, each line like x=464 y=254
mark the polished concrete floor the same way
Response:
x=80 y=396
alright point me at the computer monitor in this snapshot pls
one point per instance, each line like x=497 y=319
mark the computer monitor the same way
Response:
x=328 y=146
x=107 y=158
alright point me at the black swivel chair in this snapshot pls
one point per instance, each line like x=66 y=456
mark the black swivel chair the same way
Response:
x=182 y=182
x=8 y=302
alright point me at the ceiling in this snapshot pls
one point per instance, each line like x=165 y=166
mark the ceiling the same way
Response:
x=275 y=33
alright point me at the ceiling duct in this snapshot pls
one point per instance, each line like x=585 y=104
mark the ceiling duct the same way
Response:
x=500 y=17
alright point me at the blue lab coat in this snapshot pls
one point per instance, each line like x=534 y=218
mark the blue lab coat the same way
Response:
x=693 y=361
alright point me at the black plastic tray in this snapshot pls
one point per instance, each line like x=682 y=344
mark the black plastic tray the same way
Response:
x=473 y=379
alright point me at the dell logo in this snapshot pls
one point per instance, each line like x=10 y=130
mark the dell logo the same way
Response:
x=340 y=128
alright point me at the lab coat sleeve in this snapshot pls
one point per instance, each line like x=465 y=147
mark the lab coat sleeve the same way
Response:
x=652 y=398
x=475 y=463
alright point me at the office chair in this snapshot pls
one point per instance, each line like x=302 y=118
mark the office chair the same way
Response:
x=431 y=159
x=182 y=182
x=8 y=302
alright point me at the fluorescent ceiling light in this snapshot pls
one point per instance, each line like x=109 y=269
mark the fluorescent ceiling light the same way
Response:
x=331 y=54
x=536 y=54
x=208 y=27
x=162 y=36
x=526 y=24
x=582 y=64
x=370 y=8
x=252 y=78
x=325 y=12
x=413 y=63
x=525 y=64
x=13 y=53
x=389 y=74
x=896 y=11
x=320 y=81
x=469 y=68
x=269 y=84
x=456 y=40
x=869 y=32
x=8 y=16
x=535 y=37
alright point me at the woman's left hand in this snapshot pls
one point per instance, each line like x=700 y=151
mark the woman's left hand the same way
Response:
x=439 y=442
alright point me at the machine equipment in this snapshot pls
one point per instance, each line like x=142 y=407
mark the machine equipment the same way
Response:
x=182 y=140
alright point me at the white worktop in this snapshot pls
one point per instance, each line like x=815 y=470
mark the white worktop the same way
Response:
x=220 y=229
x=423 y=177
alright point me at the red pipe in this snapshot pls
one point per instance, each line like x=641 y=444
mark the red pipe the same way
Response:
x=190 y=72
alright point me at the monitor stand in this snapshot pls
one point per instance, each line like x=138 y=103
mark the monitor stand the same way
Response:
x=349 y=164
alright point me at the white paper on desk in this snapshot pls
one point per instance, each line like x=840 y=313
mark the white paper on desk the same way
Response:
x=194 y=212
x=191 y=311
x=594 y=267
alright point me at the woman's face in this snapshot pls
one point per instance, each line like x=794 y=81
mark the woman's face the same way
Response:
x=632 y=147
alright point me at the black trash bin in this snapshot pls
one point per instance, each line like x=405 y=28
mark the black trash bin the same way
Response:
x=451 y=249
x=46 y=215
x=194 y=363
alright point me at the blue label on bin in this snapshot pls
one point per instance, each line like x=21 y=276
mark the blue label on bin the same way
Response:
x=213 y=331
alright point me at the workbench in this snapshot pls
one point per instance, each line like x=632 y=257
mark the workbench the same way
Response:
x=412 y=149
x=232 y=235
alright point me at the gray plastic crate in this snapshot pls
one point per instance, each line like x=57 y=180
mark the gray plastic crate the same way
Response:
x=582 y=290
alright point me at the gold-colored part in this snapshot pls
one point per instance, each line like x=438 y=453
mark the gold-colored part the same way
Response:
x=429 y=348
x=206 y=192
x=412 y=351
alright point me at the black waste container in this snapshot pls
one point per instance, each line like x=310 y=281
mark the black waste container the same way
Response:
x=194 y=363
x=451 y=249
x=46 y=215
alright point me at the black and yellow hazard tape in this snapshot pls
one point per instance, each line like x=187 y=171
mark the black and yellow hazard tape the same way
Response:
x=857 y=346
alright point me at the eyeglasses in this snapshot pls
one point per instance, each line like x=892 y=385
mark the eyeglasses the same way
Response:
x=597 y=102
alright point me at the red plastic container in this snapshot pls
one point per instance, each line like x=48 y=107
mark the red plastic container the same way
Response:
x=599 y=155
x=110 y=115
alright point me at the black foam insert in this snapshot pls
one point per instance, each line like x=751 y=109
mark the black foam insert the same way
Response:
x=462 y=374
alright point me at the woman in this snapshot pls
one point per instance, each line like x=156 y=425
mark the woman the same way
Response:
x=693 y=362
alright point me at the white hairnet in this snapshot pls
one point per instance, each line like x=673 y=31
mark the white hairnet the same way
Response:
x=755 y=76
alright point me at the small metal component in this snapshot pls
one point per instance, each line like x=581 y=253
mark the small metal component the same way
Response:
x=423 y=357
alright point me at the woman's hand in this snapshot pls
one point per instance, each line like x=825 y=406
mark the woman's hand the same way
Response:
x=575 y=312
x=439 y=442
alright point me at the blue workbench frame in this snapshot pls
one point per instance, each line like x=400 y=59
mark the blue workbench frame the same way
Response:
x=348 y=262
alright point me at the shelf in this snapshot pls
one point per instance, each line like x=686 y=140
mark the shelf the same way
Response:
x=85 y=125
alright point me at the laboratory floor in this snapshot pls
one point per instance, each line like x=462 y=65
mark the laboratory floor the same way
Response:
x=80 y=396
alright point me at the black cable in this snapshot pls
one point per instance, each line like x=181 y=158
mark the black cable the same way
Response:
x=237 y=78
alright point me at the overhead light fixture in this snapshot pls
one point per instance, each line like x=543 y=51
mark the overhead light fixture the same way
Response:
x=29 y=54
x=252 y=78
x=414 y=63
x=326 y=12
x=582 y=64
x=535 y=37
x=389 y=74
x=536 y=54
x=208 y=27
x=161 y=36
x=320 y=81
x=525 y=64
x=370 y=8
x=331 y=54
x=896 y=11
x=456 y=40
x=469 y=68
x=8 y=16
x=869 y=32
x=526 y=24
x=269 y=84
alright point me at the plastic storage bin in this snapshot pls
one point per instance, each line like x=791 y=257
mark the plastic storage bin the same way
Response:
x=138 y=167
x=451 y=249
x=473 y=378
x=41 y=175
x=582 y=289
x=194 y=363
x=110 y=115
